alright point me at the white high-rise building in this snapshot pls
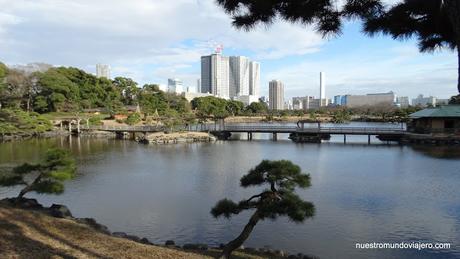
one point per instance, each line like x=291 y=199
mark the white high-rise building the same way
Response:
x=276 y=95
x=175 y=86
x=103 y=71
x=229 y=77
x=254 y=78
x=215 y=75
x=322 y=89
x=239 y=76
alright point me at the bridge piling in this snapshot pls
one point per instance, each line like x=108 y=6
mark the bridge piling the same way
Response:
x=368 y=139
x=275 y=136
x=344 y=139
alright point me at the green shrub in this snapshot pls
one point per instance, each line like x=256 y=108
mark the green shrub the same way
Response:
x=95 y=121
x=133 y=118
x=18 y=121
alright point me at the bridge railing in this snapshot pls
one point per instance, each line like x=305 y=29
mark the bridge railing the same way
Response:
x=259 y=128
x=252 y=128
x=335 y=130
x=357 y=130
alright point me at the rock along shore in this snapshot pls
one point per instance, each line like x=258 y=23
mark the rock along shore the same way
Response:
x=176 y=137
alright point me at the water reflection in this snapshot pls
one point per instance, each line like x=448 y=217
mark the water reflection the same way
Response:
x=442 y=152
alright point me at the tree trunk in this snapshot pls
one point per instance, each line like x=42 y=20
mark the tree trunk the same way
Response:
x=28 y=104
x=237 y=242
x=458 y=66
x=453 y=11
x=29 y=187
x=23 y=192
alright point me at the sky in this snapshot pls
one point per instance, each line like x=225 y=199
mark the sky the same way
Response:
x=153 y=40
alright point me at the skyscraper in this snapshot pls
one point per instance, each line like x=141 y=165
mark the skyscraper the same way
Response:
x=215 y=75
x=322 y=89
x=103 y=71
x=230 y=77
x=276 y=95
x=254 y=78
x=239 y=76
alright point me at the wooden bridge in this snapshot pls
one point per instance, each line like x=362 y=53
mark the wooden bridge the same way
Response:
x=297 y=134
x=316 y=134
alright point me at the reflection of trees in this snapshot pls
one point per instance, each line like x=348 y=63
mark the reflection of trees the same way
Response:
x=442 y=152
x=30 y=150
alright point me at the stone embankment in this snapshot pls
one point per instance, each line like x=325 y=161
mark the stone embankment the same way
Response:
x=176 y=137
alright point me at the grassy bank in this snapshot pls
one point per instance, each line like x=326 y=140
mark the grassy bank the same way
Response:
x=34 y=234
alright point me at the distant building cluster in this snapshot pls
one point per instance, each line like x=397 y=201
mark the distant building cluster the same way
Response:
x=238 y=78
x=298 y=103
x=234 y=77
x=428 y=101
x=389 y=99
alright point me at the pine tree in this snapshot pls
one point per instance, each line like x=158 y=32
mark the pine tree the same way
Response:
x=44 y=177
x=279 y=199
x=434 y=23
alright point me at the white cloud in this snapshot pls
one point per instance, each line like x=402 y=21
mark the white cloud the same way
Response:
x=143 y=25
x=151 y=40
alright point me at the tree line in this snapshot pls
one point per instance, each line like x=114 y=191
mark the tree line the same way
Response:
x=69 y=89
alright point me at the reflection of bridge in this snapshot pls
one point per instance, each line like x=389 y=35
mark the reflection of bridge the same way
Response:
x=297 y=134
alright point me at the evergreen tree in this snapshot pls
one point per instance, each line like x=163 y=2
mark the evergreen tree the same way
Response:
x=279 y=199
x=44 y=177
x=435 y=23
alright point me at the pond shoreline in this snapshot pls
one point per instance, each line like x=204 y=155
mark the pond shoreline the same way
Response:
x=56 y=212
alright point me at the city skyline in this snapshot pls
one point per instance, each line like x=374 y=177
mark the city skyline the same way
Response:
x=149 y=53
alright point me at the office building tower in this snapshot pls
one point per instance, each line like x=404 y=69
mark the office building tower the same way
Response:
x=276 y=95
x=254 y=78
x=239 y=76
x=229 y=77
x=215 y=75
x=103 y=71
x=322 y=89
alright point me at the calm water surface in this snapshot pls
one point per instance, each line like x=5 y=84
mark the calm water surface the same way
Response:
x=362 y=193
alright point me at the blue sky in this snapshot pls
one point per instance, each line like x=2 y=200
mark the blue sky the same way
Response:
x=152 y=40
